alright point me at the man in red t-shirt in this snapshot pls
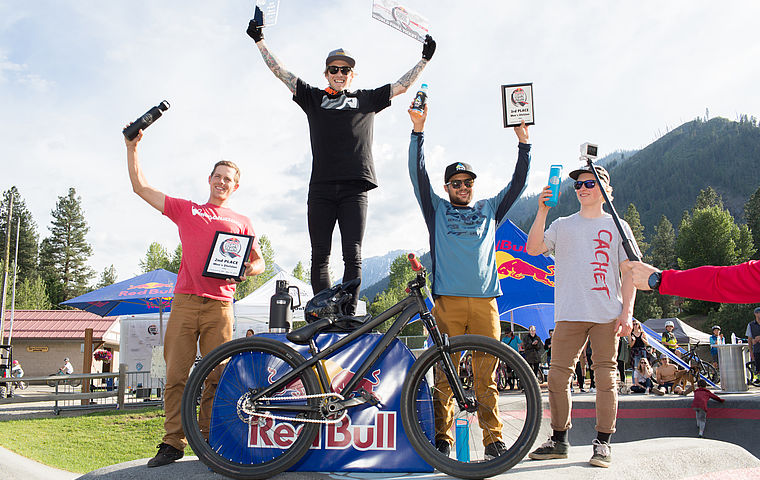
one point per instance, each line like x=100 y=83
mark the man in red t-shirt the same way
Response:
x=202 y=307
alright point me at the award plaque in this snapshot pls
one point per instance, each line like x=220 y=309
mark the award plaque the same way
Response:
x=228 y=254
x=517 y=101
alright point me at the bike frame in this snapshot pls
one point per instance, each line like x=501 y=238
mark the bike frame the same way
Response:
x=405 y=309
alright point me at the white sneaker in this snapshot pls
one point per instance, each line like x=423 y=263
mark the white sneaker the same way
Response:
x=592 y=390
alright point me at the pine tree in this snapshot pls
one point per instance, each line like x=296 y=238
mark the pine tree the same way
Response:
x=752 y=216
x=156 y=257
x=31 y=294
x=634 y=221
x=28 y=243
x=662 y=252
x=64 y=254
x=107 y=277
x=252 y=283
x=300 y=272
x=176 y=259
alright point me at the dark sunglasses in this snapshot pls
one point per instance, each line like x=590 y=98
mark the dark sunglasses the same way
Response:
x=456 y=184
x=333 y=69
x=588 y=183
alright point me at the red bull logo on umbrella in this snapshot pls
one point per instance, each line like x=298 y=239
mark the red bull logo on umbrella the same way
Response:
x=517 y=268
x=150 y=288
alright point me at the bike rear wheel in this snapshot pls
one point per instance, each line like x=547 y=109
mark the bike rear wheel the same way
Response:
x=708 y=371
x=245 y=441
x=519 y=412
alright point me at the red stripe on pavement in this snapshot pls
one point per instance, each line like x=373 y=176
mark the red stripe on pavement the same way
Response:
x=730 y=413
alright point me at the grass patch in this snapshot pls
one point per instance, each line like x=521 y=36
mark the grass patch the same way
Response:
x=84 y=443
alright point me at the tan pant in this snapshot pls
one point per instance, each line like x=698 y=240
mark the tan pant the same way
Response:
x=566 y=348
x=459 y=316
x=192 y=318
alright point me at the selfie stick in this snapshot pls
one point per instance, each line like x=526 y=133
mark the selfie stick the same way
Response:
x=627 y=242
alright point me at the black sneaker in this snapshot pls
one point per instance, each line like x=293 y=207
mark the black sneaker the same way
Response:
x=550 y=449
x=166 y=455
x=602 y=454
x=443 y=446
x=494 y=450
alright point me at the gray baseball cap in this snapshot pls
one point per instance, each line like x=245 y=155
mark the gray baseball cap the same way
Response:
x=340 y=54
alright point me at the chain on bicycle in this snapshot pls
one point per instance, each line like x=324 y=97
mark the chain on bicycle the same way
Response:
x=243 y=409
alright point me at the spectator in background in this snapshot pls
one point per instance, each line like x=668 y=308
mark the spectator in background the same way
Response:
x=548 y=347
x=624 y=356
x=701 y=396
x=67 y=368
x=533 y=347
x=716 y=339
x=642 y=379
x=669 y=338
x=589 y=365
x=666 y=375
x=249 y=333
x=512 y=340
x=753 y=337
x=638 y=343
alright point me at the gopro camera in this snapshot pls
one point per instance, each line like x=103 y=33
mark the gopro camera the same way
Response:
x=589 y=150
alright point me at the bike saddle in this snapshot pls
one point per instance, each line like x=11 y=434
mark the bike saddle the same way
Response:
x=328 y=324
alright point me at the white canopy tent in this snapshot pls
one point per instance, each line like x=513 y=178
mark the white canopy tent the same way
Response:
x=253 y=311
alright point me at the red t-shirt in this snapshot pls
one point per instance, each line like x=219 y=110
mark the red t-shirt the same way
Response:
x=197 y=225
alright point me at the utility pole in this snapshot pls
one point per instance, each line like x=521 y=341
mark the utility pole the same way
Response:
x=5 y=266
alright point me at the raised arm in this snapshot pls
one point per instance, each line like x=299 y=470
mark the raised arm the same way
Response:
x=256 y=32
x=403 y=83
x=139 y=184
x=535 y=245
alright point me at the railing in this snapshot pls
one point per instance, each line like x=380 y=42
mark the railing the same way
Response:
x=106 y=390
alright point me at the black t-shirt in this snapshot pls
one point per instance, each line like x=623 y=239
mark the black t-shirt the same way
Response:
x=340 y=127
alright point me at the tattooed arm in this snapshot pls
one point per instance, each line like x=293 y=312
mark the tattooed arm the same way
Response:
x=288 y=78
x=403 y=83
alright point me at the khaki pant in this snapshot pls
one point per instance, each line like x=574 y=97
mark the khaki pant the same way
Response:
x=192 y=318
x=459 y=316
x=567 y=341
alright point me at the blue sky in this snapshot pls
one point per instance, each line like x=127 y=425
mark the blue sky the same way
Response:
x=73 y=73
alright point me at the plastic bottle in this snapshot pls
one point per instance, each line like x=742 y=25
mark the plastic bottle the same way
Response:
x=420 y=99
x=146 y=120
x=555 y=177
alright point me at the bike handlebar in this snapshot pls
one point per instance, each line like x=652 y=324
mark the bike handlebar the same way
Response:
x=416 y=265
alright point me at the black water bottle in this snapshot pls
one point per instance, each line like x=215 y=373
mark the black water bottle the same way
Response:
x=281 y=307
x=146 y=120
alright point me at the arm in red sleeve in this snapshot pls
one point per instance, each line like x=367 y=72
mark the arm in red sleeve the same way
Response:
x=731 y=284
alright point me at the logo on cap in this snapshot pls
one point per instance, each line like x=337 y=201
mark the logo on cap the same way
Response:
x=461 y=167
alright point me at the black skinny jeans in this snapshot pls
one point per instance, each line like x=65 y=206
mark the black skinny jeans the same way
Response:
x=346 y=204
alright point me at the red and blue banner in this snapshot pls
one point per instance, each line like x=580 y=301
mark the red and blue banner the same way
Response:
x=368 y=439
x=527 y=282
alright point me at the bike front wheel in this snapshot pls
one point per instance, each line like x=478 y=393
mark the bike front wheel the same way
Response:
x=240 y=438
x=430 y=414
x=708 y=371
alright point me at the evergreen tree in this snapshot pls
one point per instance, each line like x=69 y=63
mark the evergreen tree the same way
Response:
x=176 y=259
x=28 y=242
x=156 y=257
x=301 y=272
x=107 y=277
x=752 y=216
x=634 y=221
x=400 y=274
x=64 y=254
x=662 y=252
x=31 y=294
x=708 y=198
x=252 y=283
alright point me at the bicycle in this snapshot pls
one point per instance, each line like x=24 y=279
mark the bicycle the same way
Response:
x=697 y=365
x=266 y=381
x=52 y=383
x=751 y=372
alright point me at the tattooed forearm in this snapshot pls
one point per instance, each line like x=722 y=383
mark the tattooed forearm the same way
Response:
x=403 y=83
x=276 y=67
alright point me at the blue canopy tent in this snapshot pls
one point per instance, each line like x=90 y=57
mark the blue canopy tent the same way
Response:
x=147 y=293
x=527 y=282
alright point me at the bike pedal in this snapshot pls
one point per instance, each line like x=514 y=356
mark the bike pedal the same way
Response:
x=370 y=397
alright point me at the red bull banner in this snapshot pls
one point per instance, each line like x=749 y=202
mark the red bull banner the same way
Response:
x=527 y=281
x=368 y=439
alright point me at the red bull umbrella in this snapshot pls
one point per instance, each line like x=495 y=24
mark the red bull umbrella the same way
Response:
x=527 y=282
x=147 y=293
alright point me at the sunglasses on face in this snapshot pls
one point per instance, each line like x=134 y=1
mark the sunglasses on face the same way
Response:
x=588 y=184
x=333 y=69
x=456 y=184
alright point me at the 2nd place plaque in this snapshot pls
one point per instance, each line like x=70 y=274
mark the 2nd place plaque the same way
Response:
x=517 y=101
x=228 y=254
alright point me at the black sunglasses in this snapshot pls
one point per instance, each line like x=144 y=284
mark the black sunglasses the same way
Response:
x=456 y=184
x=588 y=183
x=333 y=69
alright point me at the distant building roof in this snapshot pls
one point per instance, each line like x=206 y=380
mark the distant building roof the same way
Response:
x=57 y=324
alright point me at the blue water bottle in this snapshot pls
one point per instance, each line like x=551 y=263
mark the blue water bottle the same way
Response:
x=418 y=104
x=555 y=177
x=462 y=430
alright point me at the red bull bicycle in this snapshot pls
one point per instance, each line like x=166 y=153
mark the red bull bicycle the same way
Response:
x=276 y=401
